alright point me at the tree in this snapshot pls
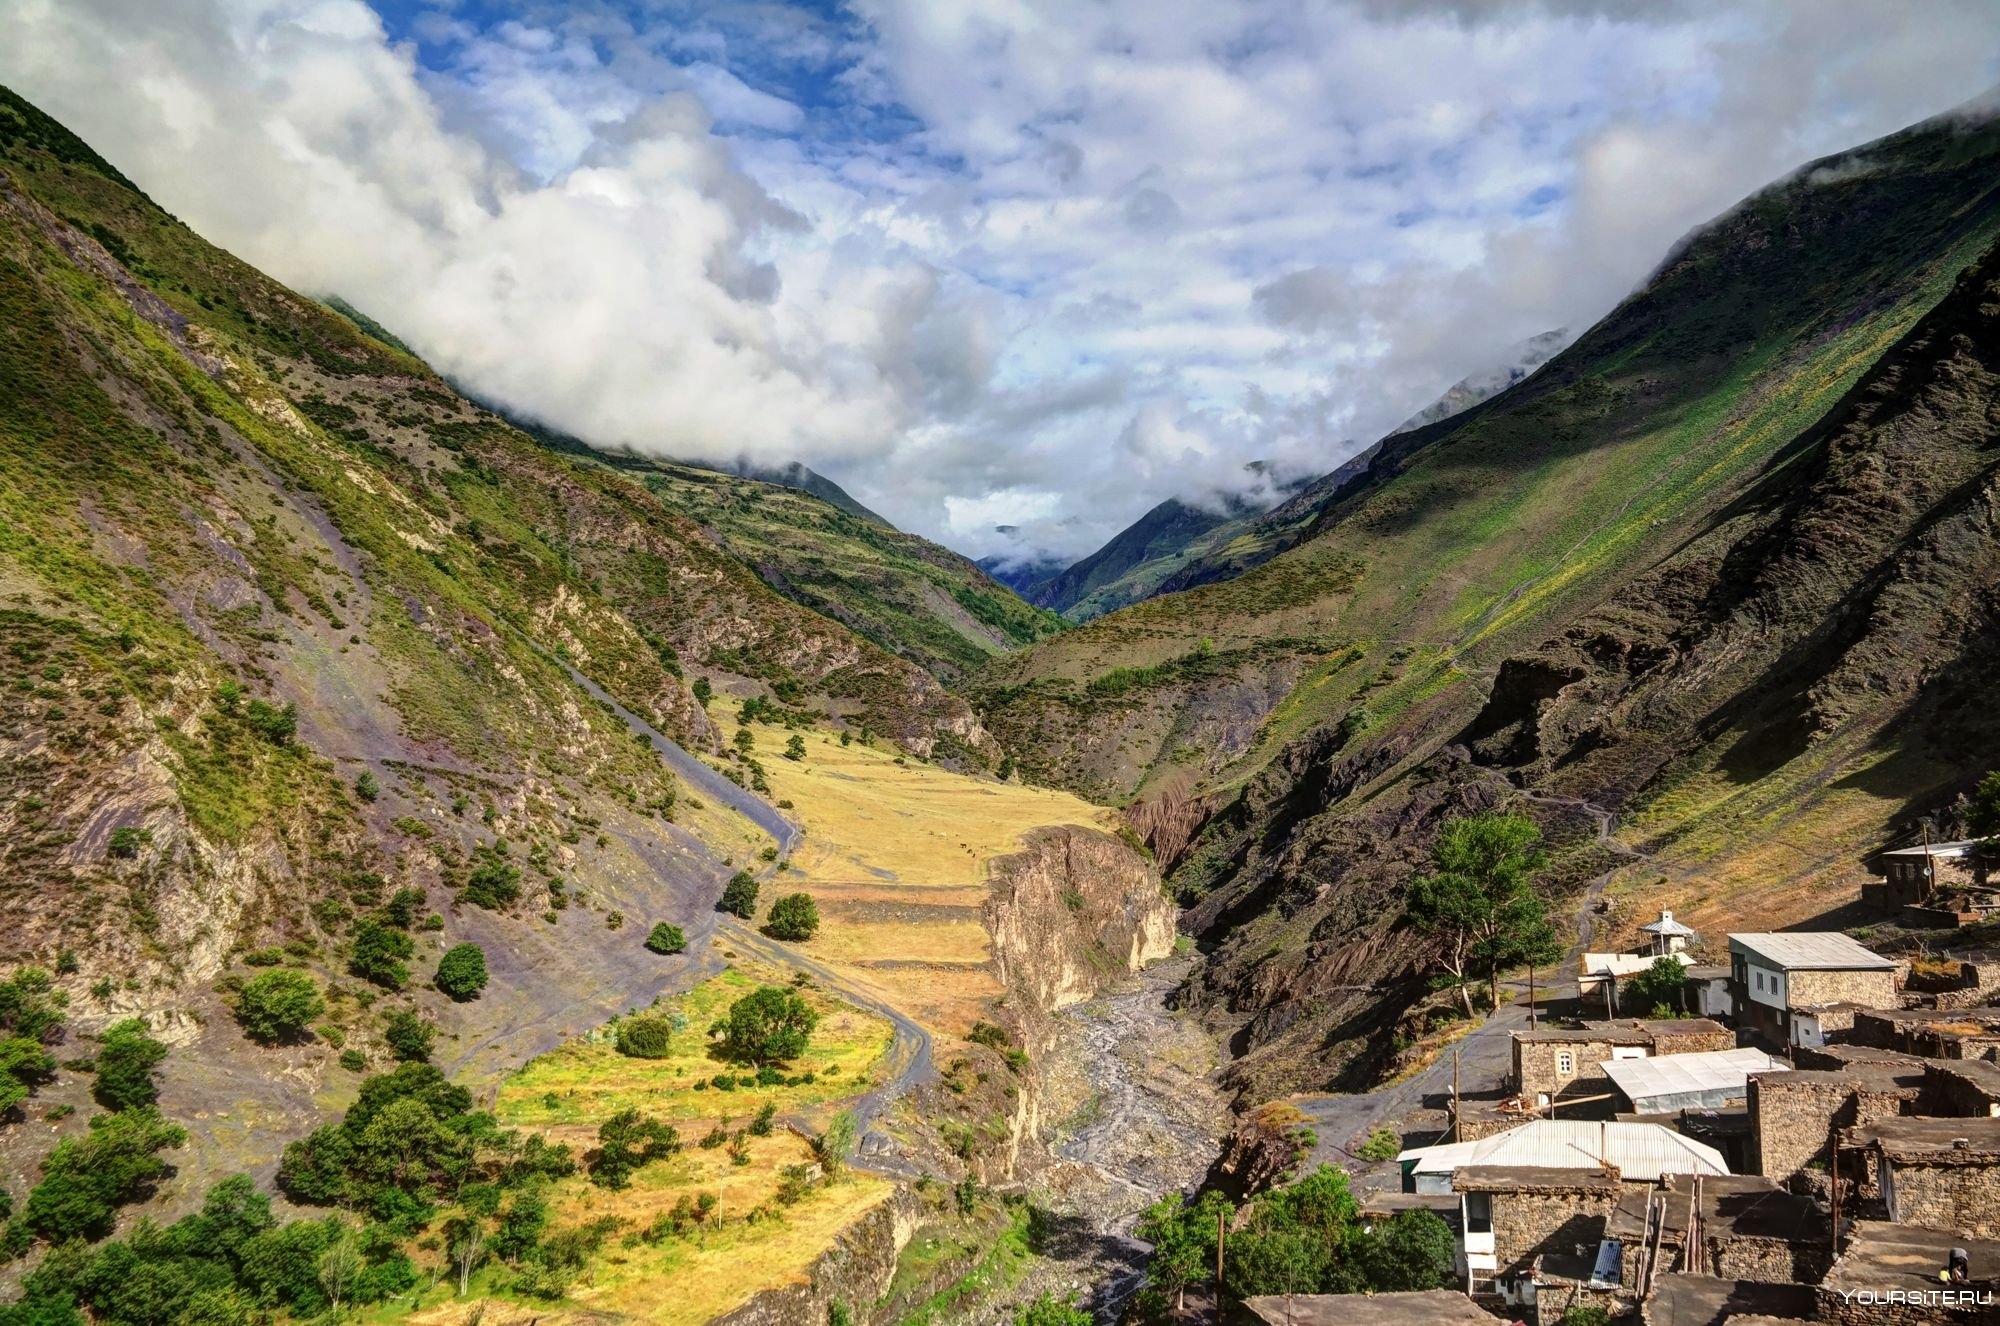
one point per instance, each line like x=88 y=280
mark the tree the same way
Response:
x=278 y=1004
x=645 y=1037
x=795 y=749
x=1183 y=1237
x=461 y=972
x=703 y=690
x=465 y=1244
x=1411 y=1251
x=794 y=917
x=1982 y=816
x=1661 y=989
x=365 y=785
x=1479 y=901
x=626 y=1141
x=667 y=939
x=767 y=1026
x=339 y=1267
x=739 y=896
x=86 y=1179
x=381 y=954
x=833 y=1147
x=409 y=1037
x=1048 y=1310
x=126 y=1058
x=746 y=741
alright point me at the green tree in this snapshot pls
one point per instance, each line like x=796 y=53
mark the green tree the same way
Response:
x=794 y=917
x=1411 y=1251
x=339 y=1268
x=278 y=1005
x=365 y=785
x=703 y=690
x=767 y=1026
x=746 y=741
x=461 y=972
x=1479 y=901
x=626 y=1141
x=667 y=938
x=86 y=1179
x=795 y=749
x=833 y=1147
x=1183 y=1237
x=1048 y=1310
x=645 y=1037
x=126 y=1058
x=409 y=1037
x=1982 y=815
x=739 y=896
x=1661 y=989
x=381 y=954
x=1585 y=1314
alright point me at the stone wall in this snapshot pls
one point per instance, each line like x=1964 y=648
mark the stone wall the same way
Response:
x=1772 y=1261
x=1528 y=1224
x=1958 y=1194
x=1536 y=1073
x=1874 y=989
x=1793 y=1115
x=1954 y=1091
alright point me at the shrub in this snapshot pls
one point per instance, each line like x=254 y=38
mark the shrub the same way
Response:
x=275 y=725
x=626 y=1141
x=125 y=843
x=126 y=1058
x=667 y=939
x=269 y=956
x=645 y=1037
x=1048 y=1310
x=769 y=1025
x=353 y=1061
x=739 y=896
x=761 y=1125
x=703 y=690
x=277 y=1005
x=1382 y=1144
x=401 y=909
x=409 y=1037
x=380 y=954
x=461 y=972
x=493 y=885
x=793 y=917
x=365 y=785
x=795 y=749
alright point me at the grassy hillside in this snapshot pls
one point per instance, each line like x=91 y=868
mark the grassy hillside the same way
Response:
x=1579 y=585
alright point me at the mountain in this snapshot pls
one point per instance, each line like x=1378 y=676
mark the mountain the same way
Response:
x=820 y=548
x=1175 y=546
x=1714 y=596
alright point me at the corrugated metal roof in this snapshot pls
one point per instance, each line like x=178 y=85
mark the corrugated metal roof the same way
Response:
x=1960 y=848
x=1639 y=1150
x=1688 y=1074
x=1666 y=925
x=1812 y=950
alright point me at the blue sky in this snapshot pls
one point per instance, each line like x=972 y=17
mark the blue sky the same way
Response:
x=1028 y=263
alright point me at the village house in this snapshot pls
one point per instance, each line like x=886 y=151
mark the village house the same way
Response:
x=1557 y=1063
x=1794 y=1116
x=1513 y=1214
x=1747 y=1228
x=1939 y=1173
x=1640 y=1152
x=1931 y=1033
x=1961 y=1089
x=1775 y=974
x=1889 y=1273
x=1681 y=1299
x=1674 y=1082
x=1912 y=876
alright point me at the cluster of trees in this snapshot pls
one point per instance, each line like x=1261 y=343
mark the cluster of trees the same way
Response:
x=1300 y=1239
x=31 y=1018
x=1479 y=901
x=494 y=883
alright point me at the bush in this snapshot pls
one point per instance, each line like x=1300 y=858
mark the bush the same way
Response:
x=739 y=896
x=380 y=955
x=1048 y=1310
x=645 y=1037
x=767 y=1026
x=125 y=843
x=493 y=885
x=353 y=1061
x=126 y=1057
x=793 y=917
x=795 y=749
x=275 y=725
x=278 y=1005
x=1382 y=1144
x=409 y=1037
x=667 y=939
x=626 y=1141
x=365 y=785
x=86 y=1179
x=461 y=972
x=401 y=909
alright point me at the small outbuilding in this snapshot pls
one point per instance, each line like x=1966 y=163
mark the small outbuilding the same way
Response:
x=1690 y=1081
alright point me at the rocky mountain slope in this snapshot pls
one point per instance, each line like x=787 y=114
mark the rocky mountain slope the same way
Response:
x=1724 y=569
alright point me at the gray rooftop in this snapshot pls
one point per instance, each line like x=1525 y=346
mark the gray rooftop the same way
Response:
x=1445 y=1306
x=1701 y=1300
x=1703 y=1074
x=1960 y=847
x=1882 y=1256
x=1639 y=1151
x=1812 y=950
x=1667 y=925
x=1933 y=1140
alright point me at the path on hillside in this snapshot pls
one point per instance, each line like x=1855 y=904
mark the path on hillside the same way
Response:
x=1483 y=1057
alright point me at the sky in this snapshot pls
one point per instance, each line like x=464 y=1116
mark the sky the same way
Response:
x=1034 y=264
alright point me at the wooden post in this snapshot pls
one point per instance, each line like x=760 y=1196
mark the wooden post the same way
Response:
x=1531 y=996
x=1833 y=1171
x=1457 y=1105
x=1930 y=875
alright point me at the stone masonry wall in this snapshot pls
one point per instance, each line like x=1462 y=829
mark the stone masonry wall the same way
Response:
x=1772 y=1261
x=1875 y=989
x=1963 y=1197
x=1525 y=1225
x=1794 y=1115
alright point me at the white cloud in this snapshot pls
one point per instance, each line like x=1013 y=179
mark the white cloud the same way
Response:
x=986 y=261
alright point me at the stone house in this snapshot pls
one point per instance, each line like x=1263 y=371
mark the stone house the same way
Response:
x=1557 y=1063
x=1512 y=1214
x=1795 y=1116
x=1961 y=1089
x=1773 y=975
x=1747 y=1228
x=1938 y=1173
x=1889 y=1273
x=1931 y=1033
x=1913 y=876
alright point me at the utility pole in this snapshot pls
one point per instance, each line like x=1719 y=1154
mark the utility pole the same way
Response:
x=1531 y=994
x=1457 y=1105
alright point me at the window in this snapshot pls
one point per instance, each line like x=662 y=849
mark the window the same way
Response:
x=1565 y=1062
x=1760 y=980
x=1478 y=1213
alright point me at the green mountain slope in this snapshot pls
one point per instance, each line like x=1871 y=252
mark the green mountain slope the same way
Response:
x=1691 y=572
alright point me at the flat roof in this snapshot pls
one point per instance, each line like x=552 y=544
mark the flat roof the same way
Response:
x=1418 y=1309
x=1812 y=950
x=1957 y=847
x=1532 y=1178
x=1699 y=1074
x=1983 y=1074
x=1638 y=1151
x=1881 y=1256
x=1932 y=1139
x=1630 y=1031
x=1702 y=1300
x=1865 y=1075
x=1738 y=1205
